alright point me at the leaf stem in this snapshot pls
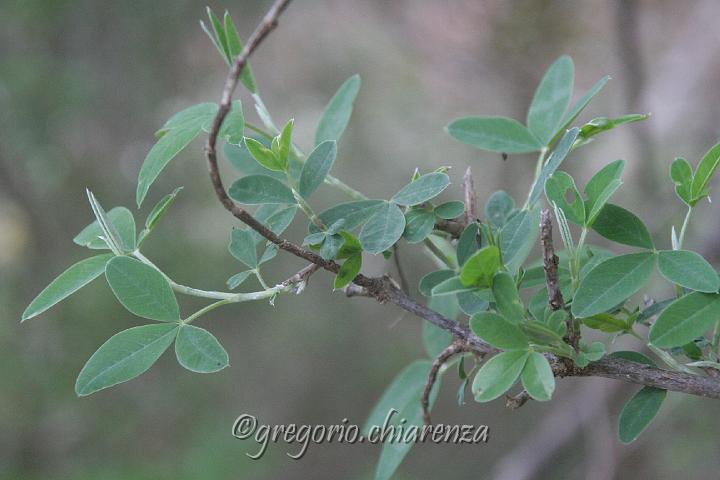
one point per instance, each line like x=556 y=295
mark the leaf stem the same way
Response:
x=204 y=310
x=683 y=229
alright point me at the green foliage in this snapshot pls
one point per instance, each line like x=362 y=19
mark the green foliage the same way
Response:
x=142 y=289
x=538 y=379
x=622 y=226
x=498 y=332
x=551 y=99
x=337 y=112
x=479 y=269
x=685 y=320
x=123 y=223
x=497 y=134
x=422 y=189
x=316 y=168
x=518 y=237
x=199 y=351
x=689 y=270
x=498 y=374
x=259 y=190
x=383 y=229
x=639 y=412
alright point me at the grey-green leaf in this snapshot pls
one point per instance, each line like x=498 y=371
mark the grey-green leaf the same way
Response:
x=468 y=243
x=561 y=190
x=199 y=351
x=67 y=283
x=704 y=173
x=123 y=222
x=556 y=158
x=142 y=289
x=242 y=246
x=518 y=237
x=498 y=332
x=237 y=279
x=124 y=356
x=507 y=299
x=316 y=168
x=496 y=134
x=422 y=189
x=337 y=112
x=611 y=283
x=498 y=208
x=622 y=226
x=685 y=319
x=354 y=214
x=639 y=412
x=419 y=224
x=551 y=99
x=259 y=189
x=166 y=148
x=498 y=374
x=538 y=379
x=383 y=229
x=688 y=269
x=583 y=102
x=449 y=210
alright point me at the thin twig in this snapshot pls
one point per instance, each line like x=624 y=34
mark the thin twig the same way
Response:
x=453 y=349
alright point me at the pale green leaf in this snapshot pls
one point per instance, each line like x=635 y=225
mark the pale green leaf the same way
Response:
x=383 y=229
x=688 y=269
x=67 y=283
x=537 y=377
x=235 y=46
x=551 y=100
x=237 y=279
x=243 y=247
x=142 y=289
x=496 y=134
x=123 y=222
x=124 y=356
x=682 y=175
x=704 y=173
x=259 y=189
x=429 y=281
x=498 y=332
x=419 y=223
x=479 y=269
x=560 y=189
x=622 y=226
x=612 y=282
x=580 y=105
x=316 y=168
x=498 y=208
x=468 y=243
x=354 y=214
x=199 y=351
x=600 y=181
x=449 y=210
x=507 y=300
x=498 y=374
x=421 y=190
x=686 y=319
x=337 y=113
x=556 y=158
x=518 y=237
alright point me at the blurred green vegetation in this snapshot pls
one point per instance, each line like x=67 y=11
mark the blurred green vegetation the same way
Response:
x=83 y=85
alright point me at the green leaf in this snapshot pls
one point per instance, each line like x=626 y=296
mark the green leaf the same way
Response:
x=402 y=395
x=472 y=302
x=704 y=173
x=351 y=245
x=259 y=189
x=498 y=208
x=199 y=351
x=233 y=126
x=639 y=412
x=685 y=319
x=142 y=289
x=419 y=224
x=158 y=210
x=538 y=379
x=518 y=237
x=235 y=46
x=507 y=300
x=348 y=270
x=498 y=374
x=337 y=113
x=551 y=99
x=124 y=356
x=556 y=158
x=237 y=279
x=449 y=210
x=611 y=283
x=242 y=246
x=429 y=281
x=606 y=323
x=603 y=124
x=451 y=286
x=196 y=115
x=421 y=190
x=383 y=229
x=498 y=332
x=689 y=270
x=354 y=214
x=161 y=153
x=682 y=175
x=316 y=168
x=263 y=155
x=123 y=222
x=598 y=184
x=468 y=243
x=605 y=195
x=496 y=134
x=582 y=103
x=633 y=356
x=479 y=269
x=220 y=36
x=560 y=189
x=67 y=283
x=622 y=226
x=240 y=157
x=110 y=235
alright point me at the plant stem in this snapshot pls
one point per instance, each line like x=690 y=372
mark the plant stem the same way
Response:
x=683 y=229
x=205 y=309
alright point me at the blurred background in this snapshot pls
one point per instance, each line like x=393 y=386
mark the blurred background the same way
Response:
x=84 y=84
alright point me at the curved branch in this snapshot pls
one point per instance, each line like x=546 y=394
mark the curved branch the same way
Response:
x=385 y=290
